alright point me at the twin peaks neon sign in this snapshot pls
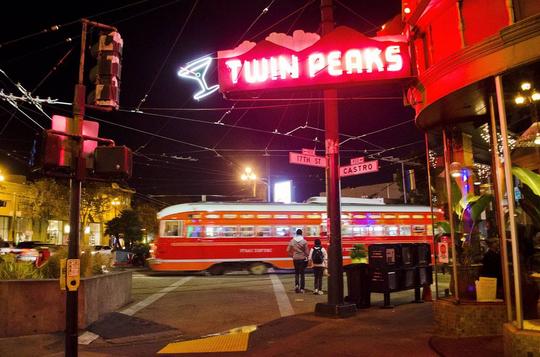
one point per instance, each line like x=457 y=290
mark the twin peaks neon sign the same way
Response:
x=343 y=57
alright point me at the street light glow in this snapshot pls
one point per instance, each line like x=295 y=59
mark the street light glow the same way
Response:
x=535 y=96
x=525 y=86
x=519 y=99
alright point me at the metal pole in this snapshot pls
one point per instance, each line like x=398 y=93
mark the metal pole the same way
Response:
x=335 y=305
x=450 y=213
x=498 y=186
x=403 y=182
x=510 y=198
x=435 y=252
x=72 y=308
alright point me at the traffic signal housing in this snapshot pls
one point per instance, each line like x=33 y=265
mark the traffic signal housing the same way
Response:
x=106 y=74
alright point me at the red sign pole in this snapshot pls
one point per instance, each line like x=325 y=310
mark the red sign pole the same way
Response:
x=335 y=305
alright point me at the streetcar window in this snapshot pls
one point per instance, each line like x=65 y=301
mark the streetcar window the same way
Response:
x=170 y=228
x=194 y=231
x=213 y=231
x=264 y=231
x=360 y=231
x=377 y=230
x=418 y=228
x=230 y=231
x=346 y=230
x=247 y=231
x=405 y=230
x=282 y=231
x=392 y=230
x=311 y=231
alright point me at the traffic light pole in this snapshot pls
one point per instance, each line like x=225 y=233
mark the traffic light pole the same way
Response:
x=72 y=307
x=335 y=306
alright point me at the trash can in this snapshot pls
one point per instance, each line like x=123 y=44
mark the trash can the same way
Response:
x=358 y=285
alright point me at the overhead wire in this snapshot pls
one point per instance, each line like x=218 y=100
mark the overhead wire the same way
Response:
x=180 y=32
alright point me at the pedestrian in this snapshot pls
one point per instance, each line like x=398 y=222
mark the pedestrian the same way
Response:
x=318 y=259
x=299 y=251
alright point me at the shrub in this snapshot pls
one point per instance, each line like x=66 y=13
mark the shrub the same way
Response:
x=11 y=269
x=51 y=268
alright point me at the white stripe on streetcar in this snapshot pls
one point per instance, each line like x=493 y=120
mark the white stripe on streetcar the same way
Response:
x=132 y=310
x=285 y=308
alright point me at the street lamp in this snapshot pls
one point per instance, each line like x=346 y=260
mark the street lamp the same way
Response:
x=249 y=175
x=115 y=203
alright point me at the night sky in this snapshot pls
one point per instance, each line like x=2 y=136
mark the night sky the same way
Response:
x=169 y=138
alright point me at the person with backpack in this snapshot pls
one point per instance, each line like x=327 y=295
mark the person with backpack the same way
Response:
x=299 y=251
x=318 y=259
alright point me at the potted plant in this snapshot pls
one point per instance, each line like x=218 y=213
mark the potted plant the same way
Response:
x=359 y=254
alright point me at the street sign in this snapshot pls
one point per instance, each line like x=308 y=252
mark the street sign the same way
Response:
x=309 y=160
x=308 y=152
x=357 y=160
x=363 y=168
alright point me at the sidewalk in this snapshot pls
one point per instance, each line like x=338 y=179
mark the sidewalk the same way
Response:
x=405 y=330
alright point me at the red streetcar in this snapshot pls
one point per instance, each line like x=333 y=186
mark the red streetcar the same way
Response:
x=221 y=236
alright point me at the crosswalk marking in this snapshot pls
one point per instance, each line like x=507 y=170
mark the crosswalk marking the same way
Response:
x=285 y=308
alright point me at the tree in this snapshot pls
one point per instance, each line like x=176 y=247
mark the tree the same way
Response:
x=95 y=199
x=148 y=216
x=128 y=226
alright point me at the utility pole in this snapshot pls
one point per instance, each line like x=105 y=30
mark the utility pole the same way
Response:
x=403 y=182
x=336 y=305
x=79 y=101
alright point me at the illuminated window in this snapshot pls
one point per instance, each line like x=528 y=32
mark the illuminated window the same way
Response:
x=346 y=230
x=360 y=231
x=374 y=216
x=297 y=216
x=170 y=228
x=281 y=216
x=212 y=216
x=229 y=231
x=194 y=231
x=247 y=231
x=213 y=231
x=359 y=216
x=264 y=231
x=404 y=216
x=392 y=230
x=314 y=216
x=230 y=215
x=264 y=216
x=418 y=216
x=247 y=216
x=389 y=216
x=376 y=230
x=405 y=230
x=283 y=231
x=419 y=229
x=312 y=231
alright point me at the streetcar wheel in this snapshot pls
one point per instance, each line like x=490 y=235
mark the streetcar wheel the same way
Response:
x=258 y=268
x=217 y=270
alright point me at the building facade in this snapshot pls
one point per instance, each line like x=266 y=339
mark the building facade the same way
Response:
x=476 y=96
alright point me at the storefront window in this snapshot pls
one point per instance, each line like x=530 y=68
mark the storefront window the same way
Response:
x=522 y=100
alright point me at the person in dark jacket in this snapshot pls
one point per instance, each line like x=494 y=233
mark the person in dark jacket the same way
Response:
x=318 y=266
x=299 y=251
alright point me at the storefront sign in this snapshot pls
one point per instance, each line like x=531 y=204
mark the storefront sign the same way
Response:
x=342 y=57
x=443 y=252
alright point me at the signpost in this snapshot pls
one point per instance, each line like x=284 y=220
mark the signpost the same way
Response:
x=358 y=169
x=309 y=160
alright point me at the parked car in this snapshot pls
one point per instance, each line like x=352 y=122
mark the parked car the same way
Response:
x=34 y=251
x=101 y=249
x=5 y=247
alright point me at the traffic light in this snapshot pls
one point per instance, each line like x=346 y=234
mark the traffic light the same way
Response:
x=51 y=151
x=113 y=162
x=107 y=72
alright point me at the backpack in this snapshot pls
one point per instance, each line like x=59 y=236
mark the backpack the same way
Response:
x=317 y=256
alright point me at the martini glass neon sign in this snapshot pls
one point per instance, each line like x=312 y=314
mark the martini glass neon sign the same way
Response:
x=196 y=70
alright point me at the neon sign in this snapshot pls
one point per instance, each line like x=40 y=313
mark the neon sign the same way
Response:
x=343 y=57
x=196 y=70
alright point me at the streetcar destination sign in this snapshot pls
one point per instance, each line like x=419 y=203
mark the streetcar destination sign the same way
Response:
x=358 y=169
x=306 y=60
